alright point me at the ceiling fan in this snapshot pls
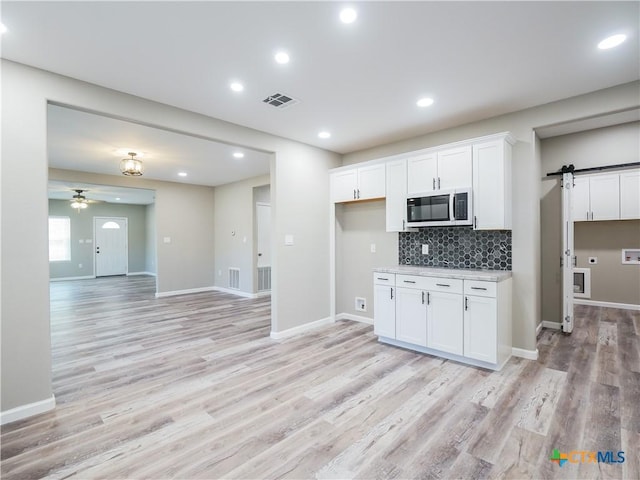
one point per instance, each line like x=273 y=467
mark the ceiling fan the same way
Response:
x=79 y=201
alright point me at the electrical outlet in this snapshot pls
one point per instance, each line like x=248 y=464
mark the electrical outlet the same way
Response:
x=361 y=304
x=425 y=249
x=373 y=248
x=593 y=260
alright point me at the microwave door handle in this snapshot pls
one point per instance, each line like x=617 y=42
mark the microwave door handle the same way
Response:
x=452 y=206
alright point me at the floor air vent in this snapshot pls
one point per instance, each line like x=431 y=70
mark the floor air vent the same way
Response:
x=280 y=100
x=234 y=278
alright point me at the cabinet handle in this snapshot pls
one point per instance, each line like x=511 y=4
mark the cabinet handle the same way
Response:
x=475 y=222
x=408 y=281
x=478 y=288
x=438 y=183
x=354 y=193
x=434 y=183
x=591 y=215
x=380 y=278
x=423 y=298
x=428 y=298
x=587 y=215
x=403 y=227
x=466 y=303
x=358 y=193
x=442 y=285
x=391 y=293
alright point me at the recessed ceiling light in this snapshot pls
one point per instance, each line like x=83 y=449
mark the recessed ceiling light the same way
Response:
x=238 y=155
x=182 y=174
x=348 y=15
x=612 y=41
x=3 y=28
x=237 y=87
x=117 y=198
x=425 y=102
x=324 y=134
x=282 y=57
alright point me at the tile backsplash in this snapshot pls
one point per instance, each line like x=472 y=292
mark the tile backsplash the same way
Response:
x=457 y=247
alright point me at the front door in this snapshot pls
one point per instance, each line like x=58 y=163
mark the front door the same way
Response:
x=111 y=256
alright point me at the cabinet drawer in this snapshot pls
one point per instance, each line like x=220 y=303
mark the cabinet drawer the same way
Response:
x=412 y=281
x=448 y=285
x=480 y=288
x=384 y=278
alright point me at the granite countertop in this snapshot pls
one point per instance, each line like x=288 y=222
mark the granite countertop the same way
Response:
x=461 y=274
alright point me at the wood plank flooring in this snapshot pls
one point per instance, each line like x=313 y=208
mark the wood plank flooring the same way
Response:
x=193 y=387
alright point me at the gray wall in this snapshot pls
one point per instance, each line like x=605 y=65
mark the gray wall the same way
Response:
x=526 y=185
x=82 y=229
x=234 y=233
x=358 y=225
x=603 y=146
x=300 y=206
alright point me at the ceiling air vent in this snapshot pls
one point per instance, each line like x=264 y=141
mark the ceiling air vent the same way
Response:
x=280 y=100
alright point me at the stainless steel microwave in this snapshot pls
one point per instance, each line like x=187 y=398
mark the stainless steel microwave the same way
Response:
x=440 y=208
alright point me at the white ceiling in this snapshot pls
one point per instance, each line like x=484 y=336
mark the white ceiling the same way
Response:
x=360 y=81
x=94 y=143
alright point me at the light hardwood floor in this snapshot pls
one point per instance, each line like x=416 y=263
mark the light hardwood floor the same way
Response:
x=193 y=387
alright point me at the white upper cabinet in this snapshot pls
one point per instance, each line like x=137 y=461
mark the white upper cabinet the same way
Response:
x=492 y=185
x=596 y=197
x=361 y=183
x=454 y=168
x=630 y=195
x=441 y=170
x=422 y=172
x=396 y=195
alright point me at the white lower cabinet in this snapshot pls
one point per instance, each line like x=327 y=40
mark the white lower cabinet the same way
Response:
x=480 y=328
x=384 y=305
x=465 y=320
x=444 y=322
x=411 y=316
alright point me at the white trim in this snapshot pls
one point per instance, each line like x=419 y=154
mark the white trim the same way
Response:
x=60 y=279
x=233 y=291
x=355 y=318
x=538 y=329
x=301 y=328
x=596 y=303
x=28 y=410
x=264 y=293
x=184 y=292
x=552 y=325
x=130 y=274
x=522 y=353
x=586 y=283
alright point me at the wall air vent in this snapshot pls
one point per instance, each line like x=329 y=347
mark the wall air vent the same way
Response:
x=280 y=100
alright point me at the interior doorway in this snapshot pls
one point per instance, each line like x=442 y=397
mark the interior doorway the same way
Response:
x=111 y=246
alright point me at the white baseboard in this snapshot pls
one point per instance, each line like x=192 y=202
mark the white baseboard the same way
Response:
x=301 y=329
x=238 y=293
x=130 y=274
x=26 y=411
x=265 y=293
x=522 y=353
x=538 y=329
x=553 y=325
x=184 y=292
x=62 y=279
x=595 y=303
x=355 y=318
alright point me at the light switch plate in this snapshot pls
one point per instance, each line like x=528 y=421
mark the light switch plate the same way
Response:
x=166 y=239
x=288 y=239
x=373 y=248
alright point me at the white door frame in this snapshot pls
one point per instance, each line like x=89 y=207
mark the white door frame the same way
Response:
x=568 y=257
x=95 y=243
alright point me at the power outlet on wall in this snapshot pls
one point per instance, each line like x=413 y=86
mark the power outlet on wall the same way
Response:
x=361 y=304
x=593 y=260
x=425 y=249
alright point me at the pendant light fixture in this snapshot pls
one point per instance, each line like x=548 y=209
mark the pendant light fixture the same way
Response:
x=131 y=166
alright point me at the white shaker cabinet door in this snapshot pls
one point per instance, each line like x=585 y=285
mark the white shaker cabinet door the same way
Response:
x=444 y=322
x=481 y=328
x=630 y=195
x=384 y=311
x=411 y=316
x=605 y=197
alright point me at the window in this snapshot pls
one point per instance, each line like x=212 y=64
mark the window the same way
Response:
x=59 y=239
